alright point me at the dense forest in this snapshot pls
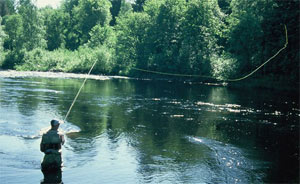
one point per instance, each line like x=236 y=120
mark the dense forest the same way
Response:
x=219 y=38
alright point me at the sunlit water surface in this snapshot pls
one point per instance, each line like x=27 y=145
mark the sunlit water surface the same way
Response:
x=137 y=131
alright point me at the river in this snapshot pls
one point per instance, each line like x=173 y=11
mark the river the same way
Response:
x=144 y=131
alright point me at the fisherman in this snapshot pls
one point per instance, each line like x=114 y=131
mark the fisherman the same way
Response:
x=51 y=144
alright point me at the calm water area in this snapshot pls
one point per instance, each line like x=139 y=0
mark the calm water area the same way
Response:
x=144 y=131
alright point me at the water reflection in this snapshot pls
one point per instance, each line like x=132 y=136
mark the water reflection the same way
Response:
x=162 y=132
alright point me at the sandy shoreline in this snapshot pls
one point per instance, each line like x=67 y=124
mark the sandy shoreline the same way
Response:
x=21 y=74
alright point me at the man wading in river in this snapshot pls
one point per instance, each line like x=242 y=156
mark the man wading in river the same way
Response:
x=51 y=144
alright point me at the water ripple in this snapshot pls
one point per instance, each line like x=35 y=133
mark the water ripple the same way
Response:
x=232 y=164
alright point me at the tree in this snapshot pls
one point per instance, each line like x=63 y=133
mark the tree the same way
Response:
x=33 y=29
x=245 y=43
x=278 y=14
x=89 y=13
x=172 y=36
x=68 y=5
x=138 y=5
x=114 y=10
x=71 y=34
x=2 y=38
x=168 y=29
x=55 y=22
x=152 y=8
x=102 y=36
x=14 y=30
x=7 y=7
x=13 y=43
x=225 y=6
x=202 y=30
x=131 y=47
x=125 y=8
x=255 y=32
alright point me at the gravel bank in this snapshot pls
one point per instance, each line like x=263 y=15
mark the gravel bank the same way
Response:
x=20 y=74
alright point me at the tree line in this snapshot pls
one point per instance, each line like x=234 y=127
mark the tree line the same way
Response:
x=218 y=38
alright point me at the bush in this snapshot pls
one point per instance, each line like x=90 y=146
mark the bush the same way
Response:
x=62 y=60
x=2 y=57
x=224 y=66
x=13 y=58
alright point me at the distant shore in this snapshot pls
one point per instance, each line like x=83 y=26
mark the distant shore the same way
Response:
x=20 y=74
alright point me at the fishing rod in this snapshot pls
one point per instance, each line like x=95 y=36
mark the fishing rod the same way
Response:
x=70 y=108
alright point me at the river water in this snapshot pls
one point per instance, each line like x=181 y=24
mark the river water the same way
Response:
x=143 y=131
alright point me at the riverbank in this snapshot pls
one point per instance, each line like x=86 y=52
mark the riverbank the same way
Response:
x=21 y=74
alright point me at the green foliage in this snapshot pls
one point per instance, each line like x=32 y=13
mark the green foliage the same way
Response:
x=13 y=58
x=245 y=35
x=14 y=30
x=172 y=36
x=89 y=13
x=68 y=5
x=102 y=55
x=55 y=22
x=245 y=43
x=68 y=61
x=131 y=34
x=256 y=32
x=202 y=29
x=138 y=5
x=278 y=14
x=125 y=8
x=102 y=36
x=2 y=38
x=119 y=8
x=80 y=17
x=2 y=35
x=152 y=7
x=224 y=66
x=7 y=7
x=219 y=38
x=114 y=10
x=168 y=29
x=70 y=32
x=33 y=27
x=13 y=41
x=225 y=6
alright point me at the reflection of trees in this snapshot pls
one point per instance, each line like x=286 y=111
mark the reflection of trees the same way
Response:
x=223 y=125
x=219 y=95
x=27 y=102
x=26 y=96
x=272 y=138
x=158 y=139
x=100 y=109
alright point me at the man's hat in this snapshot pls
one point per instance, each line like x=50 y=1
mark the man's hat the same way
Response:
x=55 y=122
